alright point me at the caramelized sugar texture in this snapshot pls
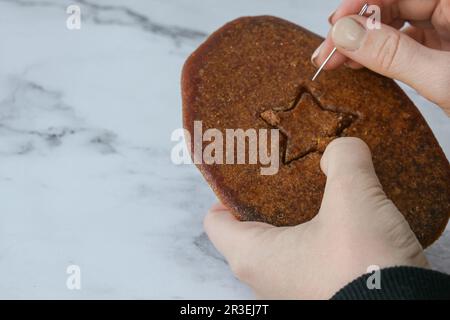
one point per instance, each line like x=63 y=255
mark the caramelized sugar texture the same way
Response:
x=255 y=73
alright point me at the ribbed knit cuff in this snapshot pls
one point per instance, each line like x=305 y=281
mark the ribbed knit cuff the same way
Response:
x=399 y=283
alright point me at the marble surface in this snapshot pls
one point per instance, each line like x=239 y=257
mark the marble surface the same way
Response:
x=85 y=172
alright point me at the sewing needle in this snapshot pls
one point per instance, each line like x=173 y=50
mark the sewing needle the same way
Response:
x=361 y=13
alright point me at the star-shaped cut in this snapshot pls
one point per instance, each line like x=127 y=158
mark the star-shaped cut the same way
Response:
x=307 y=126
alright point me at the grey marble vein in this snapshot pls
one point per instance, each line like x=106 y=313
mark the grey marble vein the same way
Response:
x=128 y=17
x=119 y=15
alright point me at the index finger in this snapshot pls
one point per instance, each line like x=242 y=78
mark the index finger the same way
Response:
x=229 y=235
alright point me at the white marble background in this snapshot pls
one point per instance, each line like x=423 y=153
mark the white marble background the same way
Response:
x=85 y=170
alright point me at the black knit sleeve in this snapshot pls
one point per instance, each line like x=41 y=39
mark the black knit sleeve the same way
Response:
x=399 y=283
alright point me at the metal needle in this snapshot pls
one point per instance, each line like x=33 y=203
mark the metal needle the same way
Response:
x=361 y=13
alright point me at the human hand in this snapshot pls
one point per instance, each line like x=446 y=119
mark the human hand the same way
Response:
x=356 y=227
x=418 y=55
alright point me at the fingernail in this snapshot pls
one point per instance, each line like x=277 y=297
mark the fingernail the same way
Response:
x=316 y=54
x=330 y=18
x=348 y=34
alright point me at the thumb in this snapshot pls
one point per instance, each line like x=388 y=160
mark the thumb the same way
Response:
x=355 y=206
x=392 y=53
x=352 y=184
